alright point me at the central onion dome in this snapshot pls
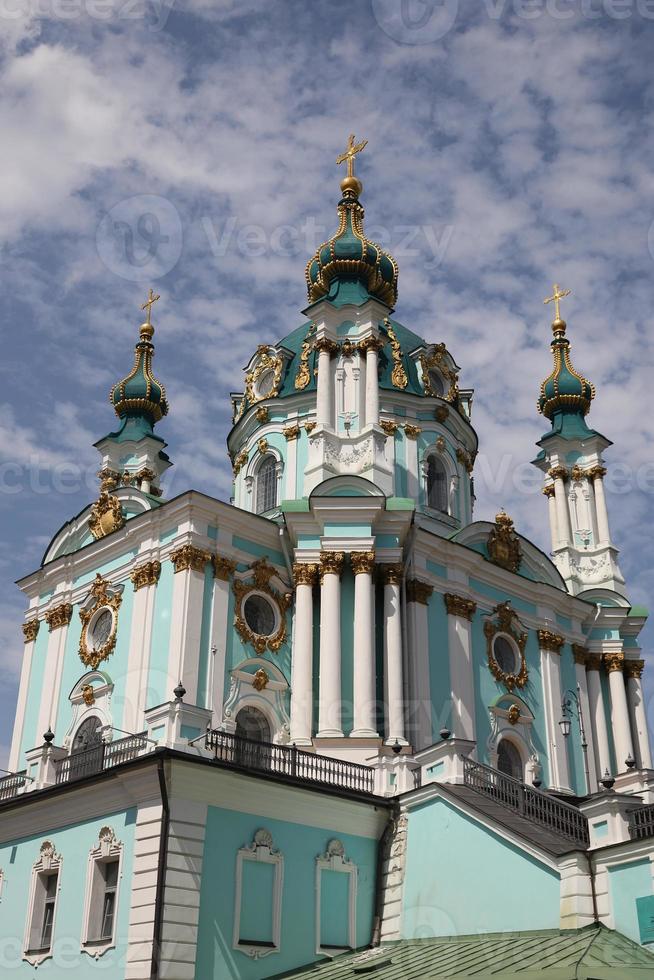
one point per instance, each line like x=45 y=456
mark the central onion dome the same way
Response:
x=349 y=255
x=565 y=391
x=140 y=395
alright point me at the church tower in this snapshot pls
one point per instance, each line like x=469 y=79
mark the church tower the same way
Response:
x=571 y=459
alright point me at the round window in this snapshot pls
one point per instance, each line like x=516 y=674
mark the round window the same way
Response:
x=505 y=655
x=100 y=629
x=266 y=383
x=259 y=614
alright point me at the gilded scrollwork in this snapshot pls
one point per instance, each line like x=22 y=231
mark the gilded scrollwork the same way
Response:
x=30 y=630
x=436 y=359
x=189 y=557
x=102 y=596
x=412 y=431
x=265 y=362
x=106 y=515
x=503 y=544
x=59 y=616
x=146 y=574
x=260 y=575
x=505 y=622
x=398 y=374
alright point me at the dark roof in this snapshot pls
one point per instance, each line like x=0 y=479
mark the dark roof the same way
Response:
x=591 y=953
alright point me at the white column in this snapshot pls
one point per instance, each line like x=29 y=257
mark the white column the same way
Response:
x=329 y=710
x=459 y=642
x=223 y=569
x=419 y=719
x=581 y=659
x=393 y=682
x=559 y=474
x=144 y=579
x=619 y=711
x=371 y=345
x=634 y=670
x=550 y=654
x=186 y=620
x=305 y=576
x=58 y=620
x=30 y=631
x=598 y=717
x=292 y=433
x=598 y=473
x=325 y=393
x=363 y=564
x=411 y=434
x=551 y=507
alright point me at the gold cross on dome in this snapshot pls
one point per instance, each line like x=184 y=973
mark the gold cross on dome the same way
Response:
x=149 y=303
x=350 y=153
x=556 y=298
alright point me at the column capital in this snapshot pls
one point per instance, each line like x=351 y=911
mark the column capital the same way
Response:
x=613 y=661
x=594 y=661
x=458 y=605
x=291 y=432
x=30 y=630
x=417 y=591
x=549 y=490
x=389 y=427
x=146 y=574
x=370 y=344
x=411 y=431
x=597 y=472
x=223 y=567
x=305 y=573
x=392 y=573
x=634 y=668
x=547 y=640
x=59 y=616
x=331 y=563
x=189 y=557
x=363 y=562
x=580 y=653
x=558 y=473
x=326 y=346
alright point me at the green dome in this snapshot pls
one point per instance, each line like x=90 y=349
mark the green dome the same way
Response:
x=140 y=395
x=565 y=390
x=350 y=256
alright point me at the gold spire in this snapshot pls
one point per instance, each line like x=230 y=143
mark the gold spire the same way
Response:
x=557 y=296
x=147 y=330
x=351 y=183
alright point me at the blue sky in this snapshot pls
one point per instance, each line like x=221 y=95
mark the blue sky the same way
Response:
x=191 y=147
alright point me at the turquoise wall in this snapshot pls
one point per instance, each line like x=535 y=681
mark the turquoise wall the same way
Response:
x=462 y=878
x=227 y=831
x=627 y=882
x=158 y=669
x=439 y=666
x=204 y=694
x=73 y=842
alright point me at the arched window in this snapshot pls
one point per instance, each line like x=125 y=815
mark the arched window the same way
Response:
x=436 y=484
x=253 y=724
x=267 y=485
x=509 y=760
x=87 y=749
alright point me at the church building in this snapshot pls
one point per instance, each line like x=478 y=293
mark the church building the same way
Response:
x=335 y=726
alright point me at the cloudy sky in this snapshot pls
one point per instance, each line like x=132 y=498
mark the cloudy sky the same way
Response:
x=191 y=146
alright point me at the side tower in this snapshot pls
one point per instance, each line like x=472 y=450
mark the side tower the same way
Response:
x=571 y=459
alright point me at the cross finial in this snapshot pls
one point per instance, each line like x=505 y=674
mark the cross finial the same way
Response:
x=556 y=298
x=150 y=301
x=350 y=153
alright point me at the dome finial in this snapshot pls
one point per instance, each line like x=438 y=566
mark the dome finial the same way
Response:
x=351 y=184
x=558 y=325
x=565 y=391
x=140 y=395
x=147 y=330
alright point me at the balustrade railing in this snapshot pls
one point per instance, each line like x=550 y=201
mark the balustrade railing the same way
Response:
x=641 y=822
x=9 y=785
x=541 y=808
x=290 y=761
x=103 y=756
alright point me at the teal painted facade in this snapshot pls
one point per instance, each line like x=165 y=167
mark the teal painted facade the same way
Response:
x=628 y=882
x=159 y=649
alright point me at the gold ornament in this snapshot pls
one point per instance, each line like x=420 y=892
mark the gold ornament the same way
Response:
x=398 y=374
x=309 y=427
x=558 y=473
x=634 y=668
x=613 y=661
x=350 y=153
x=88 y=695
x=303 y=376
x=503 y=544
x=262 y=446
x=265 y=362
x=436 y=359
x=331 y=563
x=30 y=630
x=390 y=428
x=549 y=641
x=106 y=516
x=363 y=562
x=59 y=616
x=514 y=714
x=305 y=574
x=223 y=568
x=260 y=680
x=559 y=294
x=392 y=573
x=262 y=414
x=417 y=591
x=465 y=459
x=240 y=461
x=102 y=599
x=549 y=490
x=412 y=431
x=188 y=557
x=597 y=472
x=506 y=621
x=291 y=432
x=146 y=574
x=458 y=605
x=261 y=573
x=441 y=413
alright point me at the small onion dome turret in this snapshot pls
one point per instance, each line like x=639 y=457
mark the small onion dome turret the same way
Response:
x=140 y=395
x=350 y=256
x=565 y=391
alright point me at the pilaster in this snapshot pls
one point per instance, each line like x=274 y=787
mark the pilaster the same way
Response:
x=186 y=618
x=329 y=720
x=460 y=612
x=419 y=715
x=550 y=645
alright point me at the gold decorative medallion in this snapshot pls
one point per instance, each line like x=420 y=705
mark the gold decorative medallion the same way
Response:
x=88 y=695
x=303 y=376
x=262 y=414
x=514 y=714
x=106 y=516
x=417 y=591
x=262 y=446
x=398 y=374
x=503 y=544
x=261 y=573
x=223 y=568
x=146 y=574
x=240 y=461
x=506 y=623
x=263 y=380
x=59 y=616
x=99 y=624
x=458 y=605
x=30 y=630
x=260 y=680
x=189 y=557
x=436 y=360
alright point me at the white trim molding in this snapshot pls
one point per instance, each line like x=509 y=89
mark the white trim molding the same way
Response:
x=246 y=690
x=107 y=849
x=334 y=859
x=49 y=863
x=91 y=695
x=260 y=850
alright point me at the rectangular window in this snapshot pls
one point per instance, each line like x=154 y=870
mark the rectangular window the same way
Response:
x=257 y=904
x=334 y=910
x=43 y=913
x=109 y=872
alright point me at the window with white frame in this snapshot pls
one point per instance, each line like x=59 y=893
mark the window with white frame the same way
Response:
x=258 y=897
x=42 y=905
x=267 y=484
x=336 y=901
x=101 y=899
x=437 y=484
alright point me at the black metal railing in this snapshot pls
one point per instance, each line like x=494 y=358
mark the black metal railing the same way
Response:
x=9 y=785
x=641 y=822
x=541 y=808
x=106 y=755
x=290 y=761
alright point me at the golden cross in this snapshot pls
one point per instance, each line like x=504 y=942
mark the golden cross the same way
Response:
x=559 y=294
x=150 y=301
x=350 y=154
